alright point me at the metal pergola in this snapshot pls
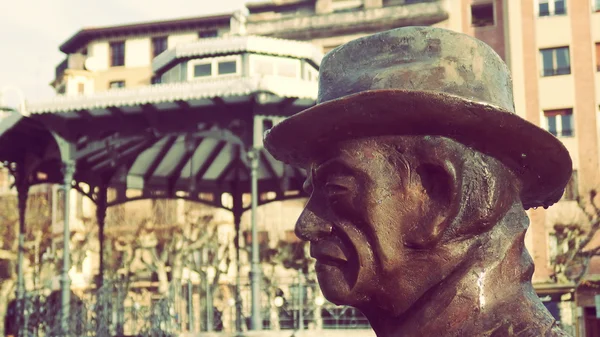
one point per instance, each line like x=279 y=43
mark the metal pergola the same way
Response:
x=189 y=146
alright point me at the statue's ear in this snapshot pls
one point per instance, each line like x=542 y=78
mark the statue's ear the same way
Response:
x=439 y=186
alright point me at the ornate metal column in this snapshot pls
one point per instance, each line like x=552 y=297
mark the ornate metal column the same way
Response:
x=101 y=219
x=237 y=219
x=255 y=272
x=22 y=191
x=68 y=171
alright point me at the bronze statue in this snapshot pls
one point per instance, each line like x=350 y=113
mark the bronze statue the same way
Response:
x=419 y=175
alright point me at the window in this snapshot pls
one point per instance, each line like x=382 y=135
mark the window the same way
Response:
x=559 y=122
x=596 y=6
x=116 y=84
x=221 y=66
x=227 y=67
x=208 y=33
x=159 y=44
x=482 y=15
x=203 y=70
x=288 y=69
x=552 y=7
x=117 y=54
x=310 y=73
x=555 y=61
x=598 y=55
x=262 y=66
x=274 y=66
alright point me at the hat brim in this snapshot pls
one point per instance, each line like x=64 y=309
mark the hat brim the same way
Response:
x=538 y=158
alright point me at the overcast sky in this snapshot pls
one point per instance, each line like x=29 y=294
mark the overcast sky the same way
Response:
x=32 y=30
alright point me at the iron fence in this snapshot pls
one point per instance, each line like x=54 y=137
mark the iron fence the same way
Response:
x=291 y=304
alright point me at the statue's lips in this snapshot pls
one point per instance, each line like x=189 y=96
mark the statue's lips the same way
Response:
x=328 y=252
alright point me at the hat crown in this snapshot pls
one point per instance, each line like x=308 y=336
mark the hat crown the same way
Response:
x=419 y=59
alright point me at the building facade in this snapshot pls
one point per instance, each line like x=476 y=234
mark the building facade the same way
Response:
x=551 y=46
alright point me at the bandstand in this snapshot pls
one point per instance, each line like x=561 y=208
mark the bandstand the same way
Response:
x=195 y=136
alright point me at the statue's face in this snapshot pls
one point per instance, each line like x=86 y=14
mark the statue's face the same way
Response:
x=363 y=210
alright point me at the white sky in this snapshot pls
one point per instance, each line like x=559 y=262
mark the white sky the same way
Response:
x=32 y=30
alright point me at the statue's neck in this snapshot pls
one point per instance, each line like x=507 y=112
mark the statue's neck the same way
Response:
x=492 y=293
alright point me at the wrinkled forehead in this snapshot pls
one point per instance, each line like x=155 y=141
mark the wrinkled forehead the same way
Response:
x=365 y=150
x=364 y=155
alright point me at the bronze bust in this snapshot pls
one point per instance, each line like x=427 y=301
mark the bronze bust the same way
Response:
x=419 y=175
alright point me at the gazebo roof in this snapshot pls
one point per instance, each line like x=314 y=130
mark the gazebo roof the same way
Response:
x=183 y=140
x=165 y=96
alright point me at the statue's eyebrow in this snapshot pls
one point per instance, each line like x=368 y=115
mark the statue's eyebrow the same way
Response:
x=333 y=165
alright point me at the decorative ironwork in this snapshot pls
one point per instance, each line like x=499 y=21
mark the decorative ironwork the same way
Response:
x=109 y=311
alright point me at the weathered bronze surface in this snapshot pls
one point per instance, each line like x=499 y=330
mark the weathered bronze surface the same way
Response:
x=419 y=174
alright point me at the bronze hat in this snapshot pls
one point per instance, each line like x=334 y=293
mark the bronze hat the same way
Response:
x=425 y=81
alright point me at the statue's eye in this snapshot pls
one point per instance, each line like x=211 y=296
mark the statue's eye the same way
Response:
x=335 y=189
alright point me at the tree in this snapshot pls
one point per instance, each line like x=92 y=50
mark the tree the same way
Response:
x=290 y=254
x=575 y=239
x=38 y=237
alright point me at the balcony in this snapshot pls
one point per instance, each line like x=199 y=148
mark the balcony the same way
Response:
x=358 y=20
x=73 y=61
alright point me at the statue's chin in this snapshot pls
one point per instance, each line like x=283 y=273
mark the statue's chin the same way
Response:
x=334 y=285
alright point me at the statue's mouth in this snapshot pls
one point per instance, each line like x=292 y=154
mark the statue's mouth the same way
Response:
x=328 y=252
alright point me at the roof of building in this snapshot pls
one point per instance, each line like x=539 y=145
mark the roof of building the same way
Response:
x=184 y=91
x=239 y=44
x=86 y=34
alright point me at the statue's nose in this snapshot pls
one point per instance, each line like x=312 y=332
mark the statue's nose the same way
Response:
x=311 y=227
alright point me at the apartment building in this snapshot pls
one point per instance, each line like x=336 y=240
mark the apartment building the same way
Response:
x=100 y=59
x=551 y=46
x=554 y=57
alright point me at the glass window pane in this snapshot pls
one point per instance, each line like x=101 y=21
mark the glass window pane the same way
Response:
x=544 y=9
x=547 y=62
x=567 y=125
x=563 y=66
x=202 y=70
x=263 y=67
x=287 y=69
x=560 y=7
x=482 y=15
x=117 y=51
x=159 y=44
x=551 y=121
x=117 y=84
x=229 y=67
x=208 y=33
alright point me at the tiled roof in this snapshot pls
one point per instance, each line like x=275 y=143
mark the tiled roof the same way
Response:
x=238 y=44
x=185 y=91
